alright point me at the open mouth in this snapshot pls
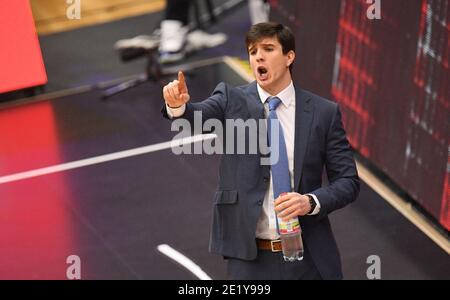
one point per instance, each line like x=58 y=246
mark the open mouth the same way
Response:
x=262 y=73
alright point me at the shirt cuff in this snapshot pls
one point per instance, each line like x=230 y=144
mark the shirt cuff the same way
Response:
x=317 y=208
x=175 y=112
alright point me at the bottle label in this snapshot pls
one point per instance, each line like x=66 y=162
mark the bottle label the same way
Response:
x=291 y=226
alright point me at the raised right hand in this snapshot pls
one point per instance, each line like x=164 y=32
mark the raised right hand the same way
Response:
x=176 y=92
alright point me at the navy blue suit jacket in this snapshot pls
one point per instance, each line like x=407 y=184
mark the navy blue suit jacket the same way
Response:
x=320 y=144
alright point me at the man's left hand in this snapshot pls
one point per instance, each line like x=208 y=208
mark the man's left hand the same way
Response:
x=291 y=205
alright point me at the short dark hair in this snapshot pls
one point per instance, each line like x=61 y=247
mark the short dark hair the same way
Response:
x=283 y=34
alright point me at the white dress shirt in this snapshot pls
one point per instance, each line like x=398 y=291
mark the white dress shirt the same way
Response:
x=266 y=227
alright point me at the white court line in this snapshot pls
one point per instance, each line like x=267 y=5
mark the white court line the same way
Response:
x=184 y=261
x=106 y=158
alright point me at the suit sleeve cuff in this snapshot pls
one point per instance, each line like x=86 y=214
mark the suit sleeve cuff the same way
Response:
x=175 y=112
x=317 y=208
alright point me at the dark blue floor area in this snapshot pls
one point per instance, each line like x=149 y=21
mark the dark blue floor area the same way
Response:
x=114 y=215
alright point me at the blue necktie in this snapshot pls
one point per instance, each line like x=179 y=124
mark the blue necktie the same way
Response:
x=278 y=154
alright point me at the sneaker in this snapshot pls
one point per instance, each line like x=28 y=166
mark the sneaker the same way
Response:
x=138 y=46
x=140 y=41
x=173 y=41
x=199 y=39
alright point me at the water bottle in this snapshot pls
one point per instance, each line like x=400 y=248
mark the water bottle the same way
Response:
x=291 y=239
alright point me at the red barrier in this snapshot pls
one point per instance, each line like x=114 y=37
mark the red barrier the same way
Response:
x=21 y=64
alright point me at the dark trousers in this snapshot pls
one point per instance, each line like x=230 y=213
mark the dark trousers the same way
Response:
x=271 y=266
x=178 y=10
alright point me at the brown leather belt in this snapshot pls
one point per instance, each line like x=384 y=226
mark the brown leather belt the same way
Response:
x=271 y=245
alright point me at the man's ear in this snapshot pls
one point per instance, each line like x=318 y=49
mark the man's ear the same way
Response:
x=290 y=58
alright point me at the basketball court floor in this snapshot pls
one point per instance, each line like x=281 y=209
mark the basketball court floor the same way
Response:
x=97 y=179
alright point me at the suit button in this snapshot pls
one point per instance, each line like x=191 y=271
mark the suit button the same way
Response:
x=266 y=178
x=260 y=202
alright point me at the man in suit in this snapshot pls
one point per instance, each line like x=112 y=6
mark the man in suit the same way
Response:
x=244 y=228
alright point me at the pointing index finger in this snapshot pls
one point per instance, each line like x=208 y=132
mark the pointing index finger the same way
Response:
x=181 y=80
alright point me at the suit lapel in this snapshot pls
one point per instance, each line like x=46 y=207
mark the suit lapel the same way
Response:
x=304 y=111
x=254 y=104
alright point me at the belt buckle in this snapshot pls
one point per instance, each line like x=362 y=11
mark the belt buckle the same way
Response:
x=272 y=245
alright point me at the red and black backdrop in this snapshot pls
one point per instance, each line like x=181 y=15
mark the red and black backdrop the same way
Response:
x=391 y=78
